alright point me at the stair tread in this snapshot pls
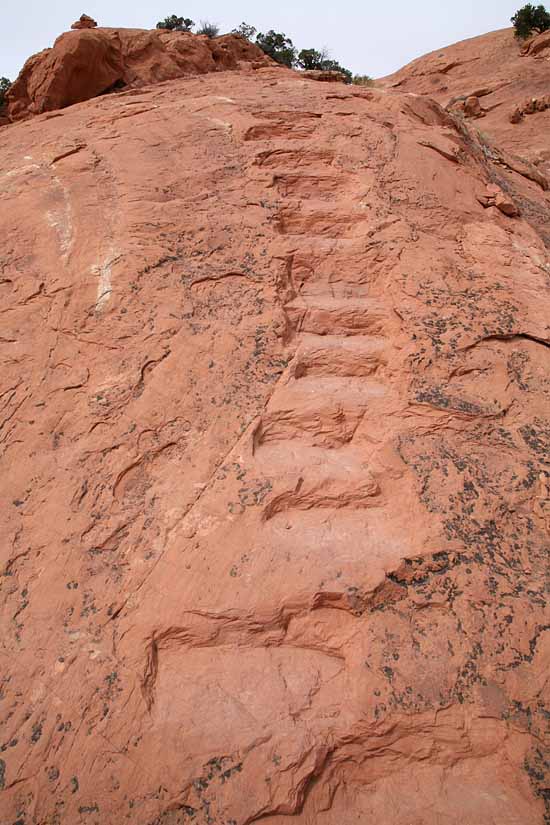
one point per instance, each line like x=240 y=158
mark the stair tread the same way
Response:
x=327 y=391
x=298 y=459
x=367 y=343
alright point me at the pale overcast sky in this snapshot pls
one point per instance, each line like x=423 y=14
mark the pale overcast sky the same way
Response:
x=373 y=38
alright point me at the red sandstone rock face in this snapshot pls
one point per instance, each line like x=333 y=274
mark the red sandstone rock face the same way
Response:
x=503 y=74
x=275 y=447
x=85 y=63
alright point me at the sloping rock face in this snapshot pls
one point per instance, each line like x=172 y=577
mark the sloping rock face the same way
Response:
x=503 y=74
x=91 y=61
x=275 y=439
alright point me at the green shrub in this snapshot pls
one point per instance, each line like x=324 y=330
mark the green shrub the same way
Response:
x=278 y=46
x=311 y=59
x=209 y=29
x=245 y=30
x=362 y=80
x=176 y=24
x=4 y=87
x=529 y=19
x=334 y=66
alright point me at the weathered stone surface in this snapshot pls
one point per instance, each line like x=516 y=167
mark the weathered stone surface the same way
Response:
x=85 y=63
x=537 y=45
x=324 y=75
x=494 y=196
x=492 y=68
x=275 y=443
x=472 y=107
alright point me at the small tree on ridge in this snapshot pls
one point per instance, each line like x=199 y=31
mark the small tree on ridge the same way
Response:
x=209 y=29
x=529 y=19
x=278 y=46
x=245 y=30
x=4 y=87
x=312 y=58
x=176 y=24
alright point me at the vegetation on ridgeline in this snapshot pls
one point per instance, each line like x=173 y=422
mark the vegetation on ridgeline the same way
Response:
x=176 y=24
x=4 y=87
x=362 y=80
x=530 y=19
x=275 y=44
x=209 y=29
x=278 y=46
x=245 y=30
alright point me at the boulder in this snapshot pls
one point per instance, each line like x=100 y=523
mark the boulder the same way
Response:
x=325 y=76
x=472 y=107
x=493 y=69
x=87 y=62
x=536 y=45
x=84 y=22
x=494 y=196
x=506 y=205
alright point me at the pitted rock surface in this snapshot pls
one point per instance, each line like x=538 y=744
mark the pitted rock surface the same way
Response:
x=275 y=454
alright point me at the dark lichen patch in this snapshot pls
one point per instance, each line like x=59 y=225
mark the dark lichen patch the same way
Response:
x=36 y=732
x=253 y=494
x=537 y=767
x=445 y=315
x=53 y=773
x=436 y=396
x=88 y=809
x=537 y=438
x=518 y=370
x=202 y=796
x=180 y=815
x=489 y=587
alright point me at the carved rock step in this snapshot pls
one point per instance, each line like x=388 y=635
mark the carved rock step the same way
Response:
x=321 y=411
x=336 y=355
x=344 y=551
x=339 y=223
x=294 y=458
x=307 y=478
x=282 y=158
x=324 y=315
x=327 y=485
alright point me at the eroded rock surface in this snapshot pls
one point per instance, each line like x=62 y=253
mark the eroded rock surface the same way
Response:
x=503 y=74
x=275 y=443
x=90 y=61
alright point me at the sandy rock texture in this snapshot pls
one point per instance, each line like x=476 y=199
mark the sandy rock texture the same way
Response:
x=275 y=453
x=90 y=61
x=503 y=74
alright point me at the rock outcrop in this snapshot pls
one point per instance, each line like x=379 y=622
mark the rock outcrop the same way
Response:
x=274 y=458
x=530 y=107
x=324 y=75
x=91 y=61
x=84 y=22
x=503 y=75
x=537 y=46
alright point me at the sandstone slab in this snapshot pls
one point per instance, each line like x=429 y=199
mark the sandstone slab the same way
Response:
x=274 y=448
